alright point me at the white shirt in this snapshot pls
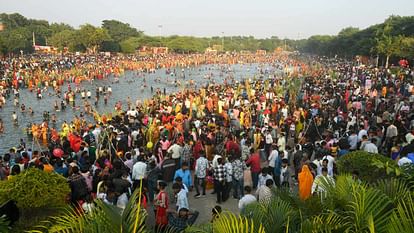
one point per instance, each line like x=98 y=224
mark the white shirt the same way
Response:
x=139 y=170
x=409 y=137
x=361 y=133
x=403 y=161
x=96 y=132
x=281 y=143
x=331 y=160
x=245 y=200
x=175 y=151
x=229 y=174
x=272 y=158
x=371 y=148
x=182 y=201
x=269 y=139
x=263 y=179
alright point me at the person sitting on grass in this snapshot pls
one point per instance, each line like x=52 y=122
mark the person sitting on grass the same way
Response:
x=177 y=222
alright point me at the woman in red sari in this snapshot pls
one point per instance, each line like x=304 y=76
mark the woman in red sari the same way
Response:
x=161 y=206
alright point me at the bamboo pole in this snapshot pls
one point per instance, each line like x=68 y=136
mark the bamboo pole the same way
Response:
x=139 y=206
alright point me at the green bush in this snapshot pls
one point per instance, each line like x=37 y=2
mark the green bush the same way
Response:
x=34 y=188
x=371 y=167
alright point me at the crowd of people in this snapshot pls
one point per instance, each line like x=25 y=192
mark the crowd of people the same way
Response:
x=239 y=139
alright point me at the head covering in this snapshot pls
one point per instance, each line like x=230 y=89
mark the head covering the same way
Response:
x=305 y=183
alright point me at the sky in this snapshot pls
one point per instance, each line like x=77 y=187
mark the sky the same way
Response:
x=259 y=18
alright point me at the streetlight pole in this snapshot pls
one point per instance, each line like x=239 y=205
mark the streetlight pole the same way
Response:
x=159 y=32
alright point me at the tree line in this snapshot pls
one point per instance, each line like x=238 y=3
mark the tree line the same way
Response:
x=392 y=38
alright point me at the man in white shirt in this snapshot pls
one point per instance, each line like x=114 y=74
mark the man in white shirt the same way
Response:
x=96 y=132
x=281 y=142
x=392 y=131
x=247 y=199
x=326 y=162
x=200 y=174
x=264 y=176
x=272 y=159
x=403 y=161
x=175 y=151
x=268 y=141
x=370 y=146
x=353 y=141
x=321 y=179
x=409 y=136
x=139 y=172
x=361 y=133
x=182 y=200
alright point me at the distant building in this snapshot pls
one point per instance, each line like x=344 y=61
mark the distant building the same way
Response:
x=260 y=52
x=146 y=50
x=245 y=52
x=44 y=49
x=278 y=50
x=210 y=51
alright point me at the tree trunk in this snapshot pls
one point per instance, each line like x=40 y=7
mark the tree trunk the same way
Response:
x=386 y=61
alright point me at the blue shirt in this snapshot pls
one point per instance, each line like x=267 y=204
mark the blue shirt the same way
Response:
x=278 y=166
x=62 y=171
x=185 y=175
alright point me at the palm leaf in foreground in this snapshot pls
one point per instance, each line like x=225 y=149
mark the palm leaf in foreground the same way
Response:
x=402 y=219
x=102 y=218
x=368 y=209
x=324 y=223
x=229 y=223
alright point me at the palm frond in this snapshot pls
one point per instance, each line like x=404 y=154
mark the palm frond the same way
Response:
x=277 y=216
x=367 y=203
x=4 y=225
x=231 y=223
x=324 y=223
x=396 y=189
x=203 y=228
x=134 y=214
x=402 y=219
x=102 y=218
x=337 y=194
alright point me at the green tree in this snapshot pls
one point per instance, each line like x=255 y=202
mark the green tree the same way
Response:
x=120 y=31
x=17 y=39
x=386 y=43
x=92 y=37
x=184 y=44
x=59 y=27
x=130 y=45
x=65 y=38
x=407 y=47
x=15 y=20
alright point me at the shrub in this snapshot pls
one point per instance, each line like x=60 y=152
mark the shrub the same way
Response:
x=371 y=167
x=34 y=188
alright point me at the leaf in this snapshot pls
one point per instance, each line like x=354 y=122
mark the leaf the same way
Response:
x=402 y=218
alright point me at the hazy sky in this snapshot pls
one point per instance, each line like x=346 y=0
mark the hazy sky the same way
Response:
x=259 y=18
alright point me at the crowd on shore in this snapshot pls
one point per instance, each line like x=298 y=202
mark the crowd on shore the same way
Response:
x=240 y=139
